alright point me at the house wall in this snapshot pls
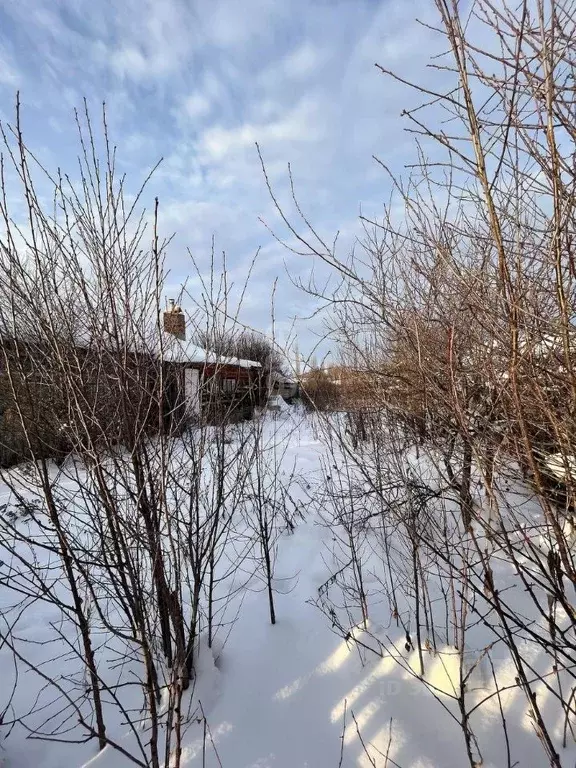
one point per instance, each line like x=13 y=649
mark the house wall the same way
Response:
x=192 y=391
x=224 y=392
x=119 y=396
x=50 y=406
x=231 y=391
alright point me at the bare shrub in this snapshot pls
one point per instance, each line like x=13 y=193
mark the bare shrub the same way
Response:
x=319 y=392
x=125 y=537
x=464 y=303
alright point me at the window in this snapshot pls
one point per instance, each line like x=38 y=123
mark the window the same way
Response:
x=229 y=385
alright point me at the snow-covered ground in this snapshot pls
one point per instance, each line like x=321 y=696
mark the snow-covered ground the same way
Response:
x=293 y=695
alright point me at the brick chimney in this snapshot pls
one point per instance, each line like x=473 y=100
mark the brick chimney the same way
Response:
x=175 y=320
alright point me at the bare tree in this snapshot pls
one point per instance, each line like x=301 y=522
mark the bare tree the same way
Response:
x=245 y=345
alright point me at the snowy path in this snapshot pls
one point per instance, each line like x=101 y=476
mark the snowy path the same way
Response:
x=282 y=689
x=277 y=695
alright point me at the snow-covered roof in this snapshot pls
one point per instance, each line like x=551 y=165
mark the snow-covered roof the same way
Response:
x=562 y=467
x=281 y=379
x=181 y=351
x=544 y=344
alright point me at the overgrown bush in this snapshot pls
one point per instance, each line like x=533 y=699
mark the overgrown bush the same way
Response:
x=319 y=391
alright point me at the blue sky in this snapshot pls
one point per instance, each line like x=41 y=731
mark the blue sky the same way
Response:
x=197 y=82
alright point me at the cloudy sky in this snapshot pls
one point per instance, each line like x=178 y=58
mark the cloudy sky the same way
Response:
x=198 y=82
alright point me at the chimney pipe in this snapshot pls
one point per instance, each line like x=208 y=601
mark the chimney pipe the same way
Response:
x=175 y=320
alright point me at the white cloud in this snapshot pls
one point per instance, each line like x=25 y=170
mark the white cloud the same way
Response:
x=199 y=83
x=250 y=23
x=303 y=60
x=128 y=61
x=302 y=123
x=196 y=106
x=9 y=75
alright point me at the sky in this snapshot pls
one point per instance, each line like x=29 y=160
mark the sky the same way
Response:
x=197 y=83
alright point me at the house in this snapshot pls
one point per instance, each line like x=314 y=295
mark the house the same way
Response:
x=114 y=393
x=286 y=388
x=199 y=383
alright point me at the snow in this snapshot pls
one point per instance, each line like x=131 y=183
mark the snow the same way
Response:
x=277 y=403
x=561 y=466
x=181 y=351
x=283 y=688
x=172 y=349
x=293 y=695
